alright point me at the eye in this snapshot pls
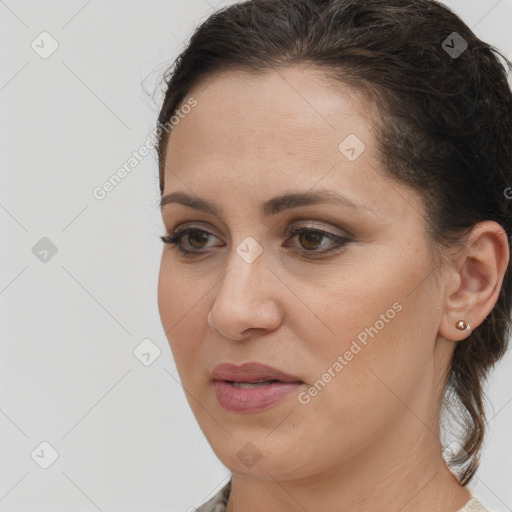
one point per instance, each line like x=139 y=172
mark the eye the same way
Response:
x=312 y=239
x=197 y=238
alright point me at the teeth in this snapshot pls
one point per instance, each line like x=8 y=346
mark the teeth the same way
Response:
x=249 y=385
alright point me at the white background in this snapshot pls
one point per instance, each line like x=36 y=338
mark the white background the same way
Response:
x=125 y=436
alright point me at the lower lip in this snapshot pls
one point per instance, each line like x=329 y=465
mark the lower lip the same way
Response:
x=253 y=399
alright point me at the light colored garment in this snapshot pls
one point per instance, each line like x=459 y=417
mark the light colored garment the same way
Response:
x=473 y=505
x=219 y=501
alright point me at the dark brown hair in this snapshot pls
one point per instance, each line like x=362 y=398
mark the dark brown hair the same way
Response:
x=445 y=125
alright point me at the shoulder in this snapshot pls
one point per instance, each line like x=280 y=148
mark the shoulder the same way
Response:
x=218 y=502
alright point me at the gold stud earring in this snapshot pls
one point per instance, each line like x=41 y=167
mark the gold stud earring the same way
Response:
x=462 y=325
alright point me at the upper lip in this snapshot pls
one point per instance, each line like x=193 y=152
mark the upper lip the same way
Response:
x=250 y=372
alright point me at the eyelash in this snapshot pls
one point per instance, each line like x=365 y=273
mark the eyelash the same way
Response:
x=176 y=236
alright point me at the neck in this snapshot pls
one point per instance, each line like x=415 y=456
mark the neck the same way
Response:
x=403 y=470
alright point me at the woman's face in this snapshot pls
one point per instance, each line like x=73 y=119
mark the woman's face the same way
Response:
x=352 y=320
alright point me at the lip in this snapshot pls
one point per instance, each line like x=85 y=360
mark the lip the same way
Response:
x=250 y=372
x=255 y=399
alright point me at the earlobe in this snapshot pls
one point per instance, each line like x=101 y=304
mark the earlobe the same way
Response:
x=478 y=272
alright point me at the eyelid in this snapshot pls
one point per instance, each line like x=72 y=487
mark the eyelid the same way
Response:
x=319 y=227
x=210 y=229
x=292 y=224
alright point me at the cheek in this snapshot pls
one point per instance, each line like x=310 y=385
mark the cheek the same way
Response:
x=177 y=293
x=168 y=290
x=357 y=305
x=373 y=320
x=183 y=312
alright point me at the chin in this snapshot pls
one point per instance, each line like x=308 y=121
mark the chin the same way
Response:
x=257 y=457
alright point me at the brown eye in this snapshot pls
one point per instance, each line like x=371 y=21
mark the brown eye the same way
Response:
x=198 y=239
x=189 y=241
x=310 y=240
x=317 y=242
x=314 y=242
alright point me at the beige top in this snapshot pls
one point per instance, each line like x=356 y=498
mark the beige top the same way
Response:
x=219 y=501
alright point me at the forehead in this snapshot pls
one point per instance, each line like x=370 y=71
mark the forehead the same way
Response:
x=274 y=107
x=287 y=114
x=260 y=133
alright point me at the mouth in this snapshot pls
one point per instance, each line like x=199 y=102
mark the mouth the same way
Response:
x=251 y=387
x=252 y=373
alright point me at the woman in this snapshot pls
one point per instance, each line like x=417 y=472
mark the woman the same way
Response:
x=335 y=284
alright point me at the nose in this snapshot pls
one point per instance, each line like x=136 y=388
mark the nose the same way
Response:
x=247 y=300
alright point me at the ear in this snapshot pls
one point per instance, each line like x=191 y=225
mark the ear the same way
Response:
x=474 y=279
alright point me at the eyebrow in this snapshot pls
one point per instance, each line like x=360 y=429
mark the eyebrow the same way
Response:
x=273 y=206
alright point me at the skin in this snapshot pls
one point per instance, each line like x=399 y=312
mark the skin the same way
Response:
x=369 y=440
